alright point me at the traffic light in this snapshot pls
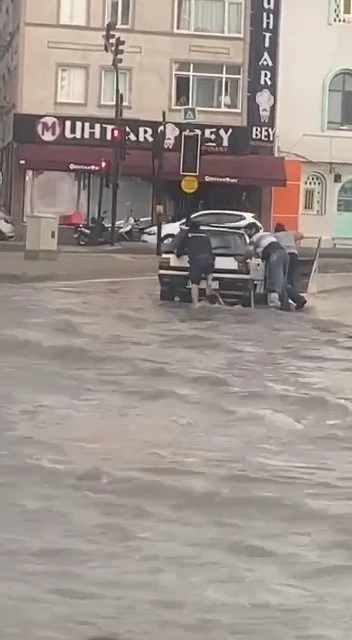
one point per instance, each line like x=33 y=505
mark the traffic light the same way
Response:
x=118 y=50
x=117 y=134
x=190 y=153
x=108 y=37
x=118 y=137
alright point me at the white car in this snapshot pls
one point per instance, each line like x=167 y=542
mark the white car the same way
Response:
x=236 y=280
x=220 y=218
x=7 y=230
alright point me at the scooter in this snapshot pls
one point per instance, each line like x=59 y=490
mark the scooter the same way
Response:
x=99 y=233
x=126 y=229
x=7 y=230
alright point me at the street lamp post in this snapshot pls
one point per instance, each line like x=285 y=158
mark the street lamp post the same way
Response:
x=114 y=45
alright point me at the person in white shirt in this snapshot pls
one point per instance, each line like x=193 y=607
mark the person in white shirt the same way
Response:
x=289 y=240
x=266 y=247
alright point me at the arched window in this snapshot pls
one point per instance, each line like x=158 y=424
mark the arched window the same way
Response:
x=314 y=194
x=340 y=101
x=344 y=201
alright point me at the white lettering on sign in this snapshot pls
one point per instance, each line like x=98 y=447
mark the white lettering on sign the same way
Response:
x=83 y=167
x=263 y=134
x=145 y=134
x=266 y=70
x=216 y=139
x=48 y=128
x=217 y=179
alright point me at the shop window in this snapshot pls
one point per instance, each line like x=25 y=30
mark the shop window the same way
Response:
x=74 y=12
x=108 y=81
x=344 y=202
x=123 y=12
x=55 y=192
x=340 y=101
x=314 y=194
x=72 y=85
x=207 y=86
x=134 y=197
x=218 y=17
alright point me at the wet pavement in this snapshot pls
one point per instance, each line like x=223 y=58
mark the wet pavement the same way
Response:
x=169 y=473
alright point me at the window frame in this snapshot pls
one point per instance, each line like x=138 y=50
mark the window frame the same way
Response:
x=74 y=24
x=215 y=34
x=107 y=10
x=61 y=67
x=313 y=212
x=190 y=74
x=124 y=70
x=332 y=126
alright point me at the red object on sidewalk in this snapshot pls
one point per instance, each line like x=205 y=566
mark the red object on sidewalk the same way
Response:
x=72 y=219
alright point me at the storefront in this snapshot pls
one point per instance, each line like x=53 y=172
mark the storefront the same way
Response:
x=58 y=164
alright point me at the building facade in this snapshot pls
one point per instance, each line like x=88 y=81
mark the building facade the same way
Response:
x=58 y=90
x=315 y=117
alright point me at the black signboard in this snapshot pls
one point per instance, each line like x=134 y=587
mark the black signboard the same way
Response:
x=98 y=132
x=262 y=81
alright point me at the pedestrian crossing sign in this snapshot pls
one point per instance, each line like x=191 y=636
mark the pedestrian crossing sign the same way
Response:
x=189 y=114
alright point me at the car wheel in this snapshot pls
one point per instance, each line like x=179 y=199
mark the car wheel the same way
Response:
x=168 y=238
x=166 y=295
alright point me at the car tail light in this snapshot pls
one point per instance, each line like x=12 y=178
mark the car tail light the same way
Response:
x=164 y=263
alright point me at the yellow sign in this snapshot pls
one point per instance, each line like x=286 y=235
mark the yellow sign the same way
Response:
x=189 y=184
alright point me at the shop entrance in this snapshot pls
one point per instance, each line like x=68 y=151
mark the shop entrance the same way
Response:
x=214 y=196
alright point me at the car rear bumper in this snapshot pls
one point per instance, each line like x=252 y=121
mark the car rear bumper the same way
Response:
x=231 y=290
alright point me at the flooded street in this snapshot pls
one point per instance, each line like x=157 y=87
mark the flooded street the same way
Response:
x=169 y=473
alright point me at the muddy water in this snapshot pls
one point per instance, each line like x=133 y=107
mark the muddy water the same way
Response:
x=168 y=473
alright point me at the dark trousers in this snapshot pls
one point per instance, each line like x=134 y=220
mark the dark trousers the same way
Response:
x=292 y=291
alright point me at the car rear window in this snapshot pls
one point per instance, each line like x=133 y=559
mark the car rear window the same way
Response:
x=227 y=243
x=222 y=242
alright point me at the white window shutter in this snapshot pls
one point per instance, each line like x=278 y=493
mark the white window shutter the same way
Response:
x=335 y=14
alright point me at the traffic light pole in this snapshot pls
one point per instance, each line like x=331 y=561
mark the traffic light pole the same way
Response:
x=114 y=45
x=115 y=174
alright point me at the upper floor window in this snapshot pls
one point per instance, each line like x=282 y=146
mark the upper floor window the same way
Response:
x=218 y=17
x=344 y=200
x=108 y=82
x=340 y=11
x=207 y=86
x=72 y=85
x=340 y=101
x=123 y=12
x=74 y=12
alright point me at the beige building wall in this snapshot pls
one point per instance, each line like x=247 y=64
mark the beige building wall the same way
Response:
x=151 y=48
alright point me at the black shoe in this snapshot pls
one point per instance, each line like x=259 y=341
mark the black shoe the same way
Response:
x=301 y=304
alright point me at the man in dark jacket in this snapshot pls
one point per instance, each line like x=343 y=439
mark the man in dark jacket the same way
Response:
x=196 y=243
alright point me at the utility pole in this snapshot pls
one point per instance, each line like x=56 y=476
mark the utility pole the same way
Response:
x=114 y=45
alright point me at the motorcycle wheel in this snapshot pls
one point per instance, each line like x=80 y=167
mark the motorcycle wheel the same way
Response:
x=82 y=240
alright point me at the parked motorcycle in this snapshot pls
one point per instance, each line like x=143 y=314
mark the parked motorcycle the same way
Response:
x=99 y=233
x=7 y=230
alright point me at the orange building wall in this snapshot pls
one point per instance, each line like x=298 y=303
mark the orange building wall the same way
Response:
x=286 y=200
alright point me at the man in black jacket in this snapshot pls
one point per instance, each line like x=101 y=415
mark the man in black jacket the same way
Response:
x=196 y=243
